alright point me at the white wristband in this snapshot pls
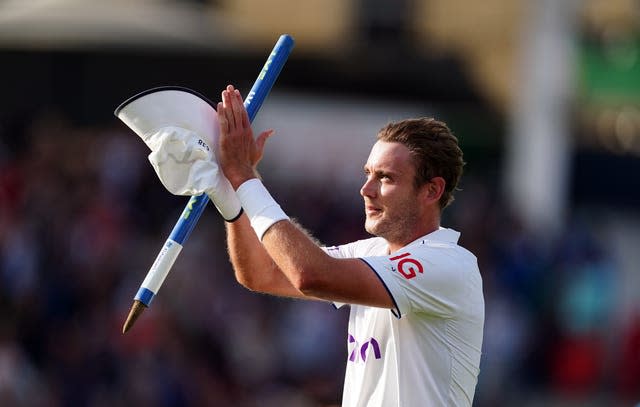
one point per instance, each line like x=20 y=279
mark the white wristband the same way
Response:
x=263 y=211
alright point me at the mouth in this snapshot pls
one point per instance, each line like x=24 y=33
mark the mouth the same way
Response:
x=371 y=210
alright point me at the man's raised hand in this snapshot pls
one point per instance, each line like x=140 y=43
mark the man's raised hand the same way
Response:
x=239 y=152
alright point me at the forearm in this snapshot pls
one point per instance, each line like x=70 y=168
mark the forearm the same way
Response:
x=253 y=266
x=298 y=256
x=301 y=260
x=317 y=275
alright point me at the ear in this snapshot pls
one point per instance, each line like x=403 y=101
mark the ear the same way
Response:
x=433 y=190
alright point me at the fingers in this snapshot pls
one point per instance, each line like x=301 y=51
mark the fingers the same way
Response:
x=241 y=117
x=238 y=146
x=243 y=113
x=228 y=108
x=234 y=109
x=238 y=109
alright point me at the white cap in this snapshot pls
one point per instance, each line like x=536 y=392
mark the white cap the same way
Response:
x=170 y=106
x=173 y=122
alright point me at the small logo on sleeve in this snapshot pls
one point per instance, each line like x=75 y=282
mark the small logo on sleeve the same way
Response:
x=407 y=266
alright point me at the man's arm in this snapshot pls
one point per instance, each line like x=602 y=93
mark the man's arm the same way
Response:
x=294 y=264
x=316 y=274
x=253 y=266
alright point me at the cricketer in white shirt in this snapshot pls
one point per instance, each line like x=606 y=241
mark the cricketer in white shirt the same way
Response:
x=426 y=351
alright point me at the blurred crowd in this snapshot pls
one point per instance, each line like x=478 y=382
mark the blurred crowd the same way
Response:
x=82 y=217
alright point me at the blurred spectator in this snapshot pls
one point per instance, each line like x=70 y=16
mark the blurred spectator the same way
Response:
x=584 y=293
x=629 y=362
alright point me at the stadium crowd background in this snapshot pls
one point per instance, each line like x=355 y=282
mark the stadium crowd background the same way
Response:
x=82 y=216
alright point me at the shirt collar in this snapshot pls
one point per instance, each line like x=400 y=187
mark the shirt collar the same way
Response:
x=445 y=235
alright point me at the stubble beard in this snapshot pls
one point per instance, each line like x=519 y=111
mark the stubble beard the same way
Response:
x=394 y=227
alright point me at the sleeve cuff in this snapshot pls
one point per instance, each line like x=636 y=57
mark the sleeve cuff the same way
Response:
x=400 y=308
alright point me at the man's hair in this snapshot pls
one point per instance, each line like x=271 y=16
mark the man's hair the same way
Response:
x=434 y=149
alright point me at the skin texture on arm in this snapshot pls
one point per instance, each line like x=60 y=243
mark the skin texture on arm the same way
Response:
x=253 y=266
x=311 y=272
x=318 y=275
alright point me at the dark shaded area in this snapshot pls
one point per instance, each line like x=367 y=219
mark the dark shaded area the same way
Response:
x=606 y=179
x=88 y=85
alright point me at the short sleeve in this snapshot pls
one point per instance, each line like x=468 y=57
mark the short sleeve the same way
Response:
x=425 y=279
x=338 y=252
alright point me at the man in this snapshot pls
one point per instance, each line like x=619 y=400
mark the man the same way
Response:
x=417 y=309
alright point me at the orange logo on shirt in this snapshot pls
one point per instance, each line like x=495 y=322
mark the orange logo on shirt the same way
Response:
x=408 y=266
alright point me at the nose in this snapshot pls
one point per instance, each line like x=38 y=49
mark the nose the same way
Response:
x=369 y=188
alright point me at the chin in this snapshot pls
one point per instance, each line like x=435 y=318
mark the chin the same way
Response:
x=374 y=227
x=370 y=227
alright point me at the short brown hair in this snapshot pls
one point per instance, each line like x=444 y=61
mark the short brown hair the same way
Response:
x=434 y=148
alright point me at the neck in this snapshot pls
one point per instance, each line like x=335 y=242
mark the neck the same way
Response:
x=427 y=228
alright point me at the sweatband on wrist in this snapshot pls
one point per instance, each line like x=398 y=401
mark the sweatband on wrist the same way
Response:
x=263 y=211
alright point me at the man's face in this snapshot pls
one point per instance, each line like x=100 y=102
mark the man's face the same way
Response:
x=390 y=196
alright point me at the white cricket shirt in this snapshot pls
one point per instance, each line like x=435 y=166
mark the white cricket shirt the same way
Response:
x=426 y=351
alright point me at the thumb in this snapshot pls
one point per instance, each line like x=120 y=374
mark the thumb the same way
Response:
x=262 y=139
x=260 y=142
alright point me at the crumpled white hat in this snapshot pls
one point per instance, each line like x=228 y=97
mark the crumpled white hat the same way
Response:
x=180 y=126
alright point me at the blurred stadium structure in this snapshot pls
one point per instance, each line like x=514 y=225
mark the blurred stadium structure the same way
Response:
x=544 y=96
